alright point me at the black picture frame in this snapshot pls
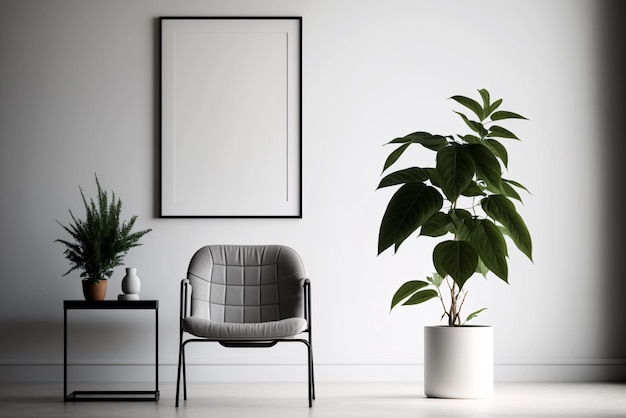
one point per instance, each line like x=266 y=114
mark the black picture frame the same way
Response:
x=231 y=117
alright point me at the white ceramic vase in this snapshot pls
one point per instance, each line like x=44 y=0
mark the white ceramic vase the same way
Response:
x=458 y=362
x=130 y=283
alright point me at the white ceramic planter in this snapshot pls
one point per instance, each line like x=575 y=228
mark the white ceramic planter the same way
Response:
x=458 y=362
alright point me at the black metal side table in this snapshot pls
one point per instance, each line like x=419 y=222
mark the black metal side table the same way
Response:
x=112 y=395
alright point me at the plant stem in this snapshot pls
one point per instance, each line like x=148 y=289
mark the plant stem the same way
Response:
x=452 y=318
x=443 y=304
x=461 y=306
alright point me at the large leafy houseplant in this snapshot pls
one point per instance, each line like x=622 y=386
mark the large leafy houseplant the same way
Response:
x=464 y=200
x=101 y=240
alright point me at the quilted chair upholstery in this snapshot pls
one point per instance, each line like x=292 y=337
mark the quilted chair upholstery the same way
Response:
x=245 y=296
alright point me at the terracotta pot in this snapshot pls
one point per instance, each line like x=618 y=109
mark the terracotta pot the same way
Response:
x=94 y=291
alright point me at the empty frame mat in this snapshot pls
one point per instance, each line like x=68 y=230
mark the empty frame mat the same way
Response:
x=231 y=117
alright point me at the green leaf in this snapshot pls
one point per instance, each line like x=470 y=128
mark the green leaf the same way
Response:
x=406 y=290
x=407 y=210
x=408 y=175
x=501 y=209
x=421 y=296
x=499 y=132
x=482 y=268
x=498 y=150
x=503 y=114
x=509 y=191
x=458 y=259
x=436 y=279
x=434 y=176
x=428 y=140
x=437 y=225
x=473 y=125
x=493 y=107
x=486 y=100
x=456 y=169
x=487 y=166
x=393 y=157
x=462 y=215
x=474 y=314
x=471 y=104
x=463 y=222
x=473 y=189
x=470 y=139
x=516 y=184
x=491 y=247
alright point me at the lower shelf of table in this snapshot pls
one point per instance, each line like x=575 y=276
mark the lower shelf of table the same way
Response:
x=112 y=395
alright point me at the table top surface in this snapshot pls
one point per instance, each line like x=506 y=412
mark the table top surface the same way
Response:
x=110 y=304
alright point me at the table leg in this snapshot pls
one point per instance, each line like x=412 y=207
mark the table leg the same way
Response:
x=64 y=354
x=156 y=355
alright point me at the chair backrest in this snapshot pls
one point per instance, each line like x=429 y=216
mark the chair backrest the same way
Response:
x=245 y=283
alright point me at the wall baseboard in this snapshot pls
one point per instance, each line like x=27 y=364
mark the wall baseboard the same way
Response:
x=573 y=371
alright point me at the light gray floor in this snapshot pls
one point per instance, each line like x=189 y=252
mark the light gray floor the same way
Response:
x=592 y=400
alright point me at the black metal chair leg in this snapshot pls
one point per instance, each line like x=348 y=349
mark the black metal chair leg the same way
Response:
x=312 y=378
x=184 y=375
x=180 y=358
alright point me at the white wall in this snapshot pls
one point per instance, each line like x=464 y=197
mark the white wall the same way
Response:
x=79 y=95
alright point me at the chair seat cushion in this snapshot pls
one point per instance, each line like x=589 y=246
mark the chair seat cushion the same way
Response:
x=206 y=328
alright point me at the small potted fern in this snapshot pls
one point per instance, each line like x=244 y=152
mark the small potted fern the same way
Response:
x=100 y=241
x=466 y=203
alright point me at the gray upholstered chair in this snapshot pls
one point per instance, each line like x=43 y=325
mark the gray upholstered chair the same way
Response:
x=245 y=296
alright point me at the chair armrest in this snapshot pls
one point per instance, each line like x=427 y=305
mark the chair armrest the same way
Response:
x=185 y=294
